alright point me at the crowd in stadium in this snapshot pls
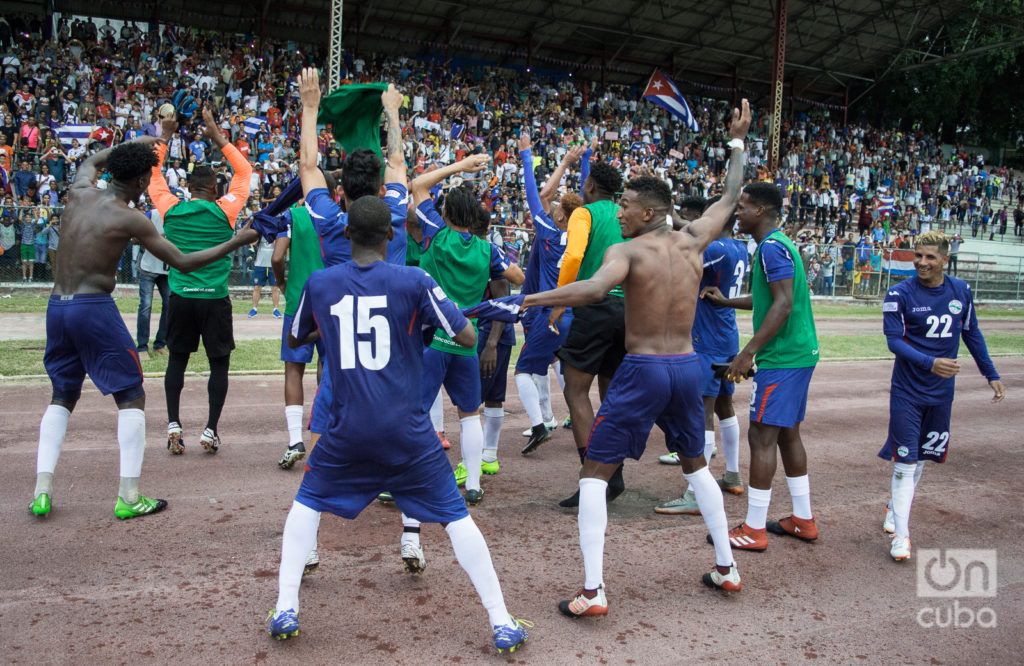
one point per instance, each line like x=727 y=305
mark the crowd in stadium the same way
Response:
x=94 y=86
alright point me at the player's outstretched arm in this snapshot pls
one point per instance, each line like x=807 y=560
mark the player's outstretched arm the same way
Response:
x=714 y=296
x=614 y=269
x=143 y=230
x=709 y=226
x=420 y=186
x=309 y=93
x=550 y=188
x=394 y=171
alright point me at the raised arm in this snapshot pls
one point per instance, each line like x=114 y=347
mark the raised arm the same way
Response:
x=533 y=200
x=90 y=167
x=614 y=269
x=395 y=170
x=550 y=189
x=309 y=92
x=420 y=186
x=709 y=225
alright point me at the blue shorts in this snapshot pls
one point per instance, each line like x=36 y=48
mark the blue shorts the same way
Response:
x=303 y=354
x=86 y=334
x=711 y=386
x=539 y=349
x=263 y=276
x=423 y=489
x=647 y=391
x=320 y=413
x=779 y=396
x=916 y=432
x=492 y=389
x=460 y=376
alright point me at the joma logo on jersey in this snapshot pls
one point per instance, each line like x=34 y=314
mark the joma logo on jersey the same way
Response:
x=924 y=308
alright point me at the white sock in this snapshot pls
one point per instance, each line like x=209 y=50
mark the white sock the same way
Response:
x=730 y=428
x=494 y=417
x=472 y=442
x=529 y=395
x=299 y=539
x=410 y=530
x=131 y=439
x=593 y=520
x=437 y=413
x=475 y=559
x=52 y=428
x=902 y=496
x=709 y=445
x=800 y=491
x=293 y=417
x=918 y=472
x=544 y=391
x=559 y=376
x=712 y=508
x=757 y=507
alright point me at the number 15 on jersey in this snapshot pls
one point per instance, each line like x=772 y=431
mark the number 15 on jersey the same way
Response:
x=355 y=315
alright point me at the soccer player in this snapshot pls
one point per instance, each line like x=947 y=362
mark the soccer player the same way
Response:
x=463 y=264
x=595 y=345
x=716 y=340
x=199 y=306
x=785 y=345
x=924 y=319
x=542 y=340
x=375 y=319
x=85 y=333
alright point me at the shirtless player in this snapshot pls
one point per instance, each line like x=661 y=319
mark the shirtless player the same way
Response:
x=84 y=330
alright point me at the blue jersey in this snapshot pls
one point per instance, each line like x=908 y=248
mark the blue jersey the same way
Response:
x=330 y=222
x=714 y=328
x=548 y=241
x=922 y=324
x=374 y=323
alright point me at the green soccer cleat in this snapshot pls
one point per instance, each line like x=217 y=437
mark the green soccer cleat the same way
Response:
x=144 y=506
x=460 y=474
x=490 y=468
x=41 y=505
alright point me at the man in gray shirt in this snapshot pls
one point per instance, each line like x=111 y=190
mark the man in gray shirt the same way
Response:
x=152 y=273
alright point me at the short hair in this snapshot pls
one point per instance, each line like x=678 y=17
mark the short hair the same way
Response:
x=766 y=195
x=461 y=207
x=361 y=174
x=369 y=219
x=606 y=178
x=935 y=238
x=203 y=177
x=569 y=202
x=482 y=224
x=653 y=190
x=693 y=203
x=130 y=161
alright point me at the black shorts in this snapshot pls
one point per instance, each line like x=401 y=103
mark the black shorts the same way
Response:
x=190 y=318
x=597 y=337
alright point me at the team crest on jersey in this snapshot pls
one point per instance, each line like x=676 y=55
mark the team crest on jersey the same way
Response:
x=955 y=307
x=903 y=452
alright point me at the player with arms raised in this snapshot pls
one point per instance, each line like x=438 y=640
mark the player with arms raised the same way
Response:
x=924 y=319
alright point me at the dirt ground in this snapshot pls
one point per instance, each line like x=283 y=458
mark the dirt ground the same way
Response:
x=194 y=584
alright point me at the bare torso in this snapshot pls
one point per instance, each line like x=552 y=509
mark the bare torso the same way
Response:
x=665 y=268
x=94 y=231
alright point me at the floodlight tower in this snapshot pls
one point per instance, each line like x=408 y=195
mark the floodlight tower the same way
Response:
x=334 y=57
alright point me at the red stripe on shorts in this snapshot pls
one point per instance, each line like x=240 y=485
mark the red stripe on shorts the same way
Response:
x=764 y=400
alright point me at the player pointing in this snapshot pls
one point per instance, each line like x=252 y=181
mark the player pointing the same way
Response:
x=924 y=319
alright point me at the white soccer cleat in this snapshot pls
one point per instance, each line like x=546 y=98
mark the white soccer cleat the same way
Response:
x=669 y=459
x=889 y=522
x=899 y=548
x=312 y=562
x=413 y=557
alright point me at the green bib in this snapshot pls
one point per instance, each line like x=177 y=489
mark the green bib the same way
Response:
x=795 y=345
x=462 y=268
x=604 y=232
x=413 y=252
x=198 y=225
x=303 y=257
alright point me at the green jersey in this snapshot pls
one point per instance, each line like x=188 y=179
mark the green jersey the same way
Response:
x=413 y=252
x=604 y=232
x=795 y=345
x=303 y=257
x=192 y=226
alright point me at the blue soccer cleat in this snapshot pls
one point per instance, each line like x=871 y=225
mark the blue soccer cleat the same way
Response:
x=509 y=637
x=283 y=624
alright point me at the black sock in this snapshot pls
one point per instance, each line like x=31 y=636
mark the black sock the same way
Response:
x=174 y=381
x=217 y=387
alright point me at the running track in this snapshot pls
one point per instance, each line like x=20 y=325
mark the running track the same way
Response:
x=193 y=585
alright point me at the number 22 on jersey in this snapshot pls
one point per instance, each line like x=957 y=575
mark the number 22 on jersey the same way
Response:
x=355 y=317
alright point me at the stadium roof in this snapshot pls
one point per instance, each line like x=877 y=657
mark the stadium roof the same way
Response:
x=708 y=46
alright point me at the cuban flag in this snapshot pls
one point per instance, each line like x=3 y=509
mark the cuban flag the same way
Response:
x=663 y=92
x=898 y=262
x=68 y=133
x=252 y=125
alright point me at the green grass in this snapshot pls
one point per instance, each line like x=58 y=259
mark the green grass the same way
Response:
x=19 y=358
x=36 y=303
